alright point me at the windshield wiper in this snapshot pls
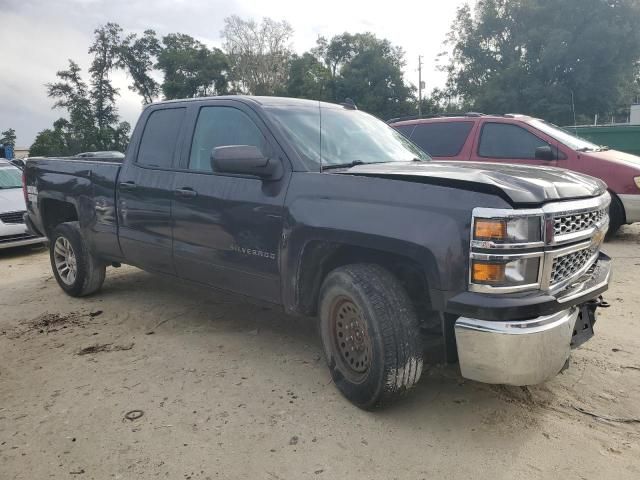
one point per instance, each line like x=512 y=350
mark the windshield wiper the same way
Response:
x=343 y=165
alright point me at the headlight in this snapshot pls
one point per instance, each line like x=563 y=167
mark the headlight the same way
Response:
x=637 y=181
x=507 y=230
x=504 y=272
x=506 y=250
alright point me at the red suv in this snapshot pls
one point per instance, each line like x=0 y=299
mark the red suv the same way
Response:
x=522 y=139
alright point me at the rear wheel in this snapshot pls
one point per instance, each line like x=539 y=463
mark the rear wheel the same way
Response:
x=76 y=270
x=370 y=334
x=616 y=215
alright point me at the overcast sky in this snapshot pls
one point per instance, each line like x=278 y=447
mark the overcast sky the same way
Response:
x=38 y=36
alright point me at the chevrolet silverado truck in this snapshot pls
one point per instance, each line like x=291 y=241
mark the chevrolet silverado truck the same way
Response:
x=327 y=212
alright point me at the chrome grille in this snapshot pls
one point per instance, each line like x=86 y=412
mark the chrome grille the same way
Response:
x=577 y=222
x=12 y=217
x=566 y=266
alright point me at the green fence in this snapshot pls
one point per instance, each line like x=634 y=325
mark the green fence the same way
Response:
x=625 y=138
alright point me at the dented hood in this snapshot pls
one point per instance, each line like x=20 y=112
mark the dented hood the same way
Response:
x=519 y=184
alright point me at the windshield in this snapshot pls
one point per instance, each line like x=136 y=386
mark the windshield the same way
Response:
x=10 y=177
x=338 y=136
x=564 y=137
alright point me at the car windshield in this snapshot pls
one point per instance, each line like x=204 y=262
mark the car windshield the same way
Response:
x=564 y=137
x=10 y=177
x=332 y=136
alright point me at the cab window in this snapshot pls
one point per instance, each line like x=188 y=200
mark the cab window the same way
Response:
x=503 y=140
x=160 y=136
x=444 y=139
x=220 y=127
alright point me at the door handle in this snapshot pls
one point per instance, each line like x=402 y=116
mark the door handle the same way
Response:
x=185 y=192
x=127 y=185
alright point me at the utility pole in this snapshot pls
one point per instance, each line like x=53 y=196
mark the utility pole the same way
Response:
x=419 y=85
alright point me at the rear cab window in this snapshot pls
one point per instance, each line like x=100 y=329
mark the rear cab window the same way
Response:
x=441 y=139
x=160 y=136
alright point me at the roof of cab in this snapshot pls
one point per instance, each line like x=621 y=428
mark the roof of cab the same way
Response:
x=259 y=100
x=471 y=116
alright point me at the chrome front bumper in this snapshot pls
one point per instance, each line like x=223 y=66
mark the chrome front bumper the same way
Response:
x=523 y=352
x=631 y=204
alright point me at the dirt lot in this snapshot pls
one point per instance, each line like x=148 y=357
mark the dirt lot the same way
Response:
x=230 y=390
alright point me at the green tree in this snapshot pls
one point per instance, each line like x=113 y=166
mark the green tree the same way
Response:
x=190 y=68
x=535 y=56
x=105 y=50
x=54 y=141
x=368 y=70
x=93 y=122
x=308 y=78
x=8 y=137
x=71 y=93
x=137 y=55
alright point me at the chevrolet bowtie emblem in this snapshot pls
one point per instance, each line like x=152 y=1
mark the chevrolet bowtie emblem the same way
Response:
x=598 y=236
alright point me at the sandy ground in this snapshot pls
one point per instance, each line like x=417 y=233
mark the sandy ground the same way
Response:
x=230 y=390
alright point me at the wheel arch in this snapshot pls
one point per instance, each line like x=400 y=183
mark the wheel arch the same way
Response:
x=318 y=257
x=54 y=211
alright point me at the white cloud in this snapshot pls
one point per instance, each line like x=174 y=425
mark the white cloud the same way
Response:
x=39 y=36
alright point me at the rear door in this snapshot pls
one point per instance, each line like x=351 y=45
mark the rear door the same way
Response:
x=511 y=143
x=227 y=228
x=145 y=190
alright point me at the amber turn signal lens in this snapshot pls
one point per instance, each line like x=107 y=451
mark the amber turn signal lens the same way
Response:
x=490 y=229
x=483 y=272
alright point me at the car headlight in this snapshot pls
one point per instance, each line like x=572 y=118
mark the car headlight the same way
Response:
x=637 y=181
x=506 y=250
x=502 y=272
x=507 y=230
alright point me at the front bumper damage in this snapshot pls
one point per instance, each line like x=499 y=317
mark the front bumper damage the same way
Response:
x=531 y=351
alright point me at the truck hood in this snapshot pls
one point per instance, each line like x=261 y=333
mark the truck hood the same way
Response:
x=11 y=200
x=518 y=184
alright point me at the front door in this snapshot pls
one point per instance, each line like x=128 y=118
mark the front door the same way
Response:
x=227 y=228
x=509 y=143
x=145 y=192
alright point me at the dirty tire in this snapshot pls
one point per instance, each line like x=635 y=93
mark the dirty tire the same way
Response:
x=394 y=341
x=616 y=216
x=90 y=272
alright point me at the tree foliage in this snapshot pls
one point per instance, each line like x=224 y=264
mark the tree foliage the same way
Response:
x=191 y=69
x=137 y=55
x=8 y=137
x=93 y=122
x=533 y=56
x=358 y=66
x=105 y=50
x=259 y=54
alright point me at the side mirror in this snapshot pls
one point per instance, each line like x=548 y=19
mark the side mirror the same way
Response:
x=245 y=160
x=18 y=162
x=545 y=153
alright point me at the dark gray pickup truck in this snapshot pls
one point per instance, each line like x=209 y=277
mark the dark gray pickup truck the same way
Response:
x=326 y=211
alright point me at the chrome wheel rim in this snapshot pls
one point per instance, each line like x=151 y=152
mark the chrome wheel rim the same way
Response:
x=350 y=338
x=65 y=261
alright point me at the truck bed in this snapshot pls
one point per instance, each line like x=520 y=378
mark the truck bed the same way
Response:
x=88 y=184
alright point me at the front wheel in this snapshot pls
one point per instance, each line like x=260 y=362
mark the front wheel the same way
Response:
x=370 y=333
x=76 y=270
x=616 y=216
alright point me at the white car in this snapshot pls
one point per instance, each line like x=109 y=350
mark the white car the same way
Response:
x=13 y=231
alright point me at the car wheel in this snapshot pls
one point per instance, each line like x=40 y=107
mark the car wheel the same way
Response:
x=76 y=270
x=370 y=333
x=616 y=216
